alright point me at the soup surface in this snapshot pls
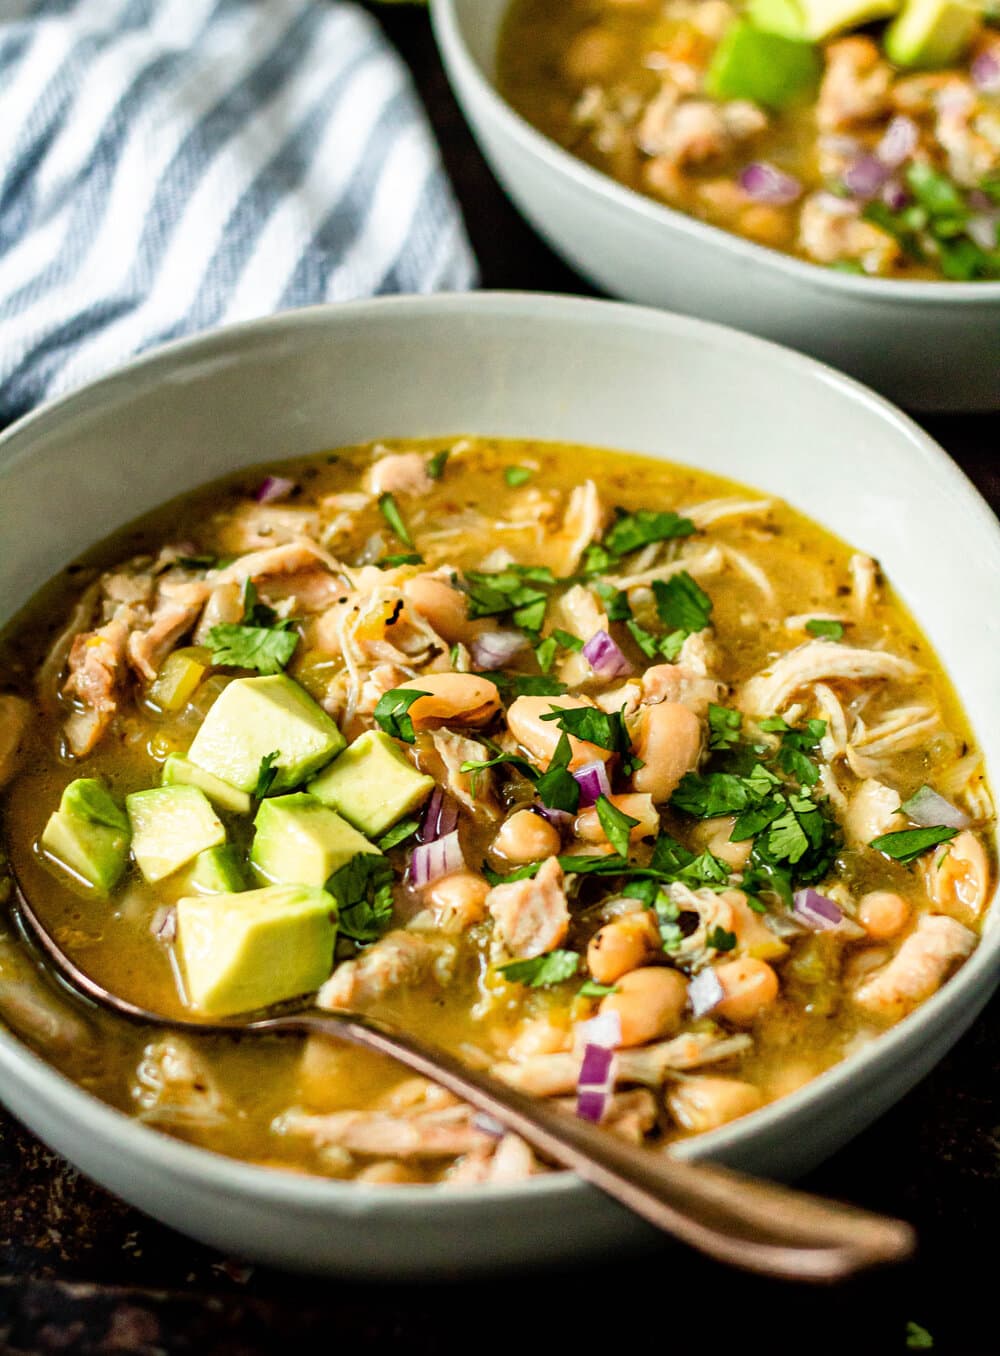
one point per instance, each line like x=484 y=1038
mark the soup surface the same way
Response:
x=628 y=783
x=828 y=149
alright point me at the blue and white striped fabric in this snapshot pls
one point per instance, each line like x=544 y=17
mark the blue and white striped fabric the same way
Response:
x=166 y=165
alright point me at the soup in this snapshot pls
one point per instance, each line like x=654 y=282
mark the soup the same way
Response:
x=873 y=152
x=630 y=784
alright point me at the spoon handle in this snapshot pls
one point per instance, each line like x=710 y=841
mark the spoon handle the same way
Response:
x=759 y=1226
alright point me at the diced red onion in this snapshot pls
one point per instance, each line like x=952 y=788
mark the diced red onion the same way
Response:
x=983 y=229
x=705 y=992
x=494 y=649
x=766 y=183
x=894 y=195
x=559 y=818
x=596 y=1080
x=818 y=912
x=900 y=140
x=592 y=779
x=430 y=861
x=927 y=809
x=865 y=176
x=164 y=923
x=274 y=488
x=835 y=206
x=604 y=656
x=985 y=72
x=605 y=1029
x=489 y=1125
x=440 y=817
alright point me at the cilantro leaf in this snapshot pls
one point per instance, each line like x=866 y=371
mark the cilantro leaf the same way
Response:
x=567 y=640
x=630 y=531
x=605 y=729
x=401 y=558
x=616 y=603
x=545 y=653
x=390 y=712
x=256 y=613
x=266 y=774
x=786 y=838
x=266 y=649
x=436 y=465
x=557 y=787
x=720 y=939
x=906 y=845
x=399 y=833
x=553 y=968
x=616 y=824
x=709 y=794
x=591 y=989
x=681 y=604
x=525 y=872
x=516 y=475
x=825 y=626
x=646 y=641
x=363 y=890
x=390 y=512
x=724 y=727
x=514 y=591
x=918 y=1338
x=515 y=685
x=473 y=769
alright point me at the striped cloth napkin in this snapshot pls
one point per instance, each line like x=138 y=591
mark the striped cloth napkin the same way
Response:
x=166 y=165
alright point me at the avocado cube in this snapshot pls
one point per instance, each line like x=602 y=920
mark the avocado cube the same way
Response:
x=768 y=68
x=88 y=836
x=255 y=717
x=816 y=20
x=170 y=825
x=180 y=771
x=298 y=841
x=241 y=952
x=372 y=784
x=931 y=33
x=216 y=871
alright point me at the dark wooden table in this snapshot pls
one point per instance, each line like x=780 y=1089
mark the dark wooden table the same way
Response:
x=81 y=1272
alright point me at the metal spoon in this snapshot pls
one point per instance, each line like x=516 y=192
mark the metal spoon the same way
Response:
x=759 y=1226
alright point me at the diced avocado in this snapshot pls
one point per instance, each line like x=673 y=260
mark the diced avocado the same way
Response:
x=768 y=68
x=298 y=841
x=180 y=771
x=255 y=717
x=241 y=952
x=170 y=826
x=931 y=33
x=216 y=871
x=181 y=673
x=372 y=784
x=816 y=20
x=88 y=835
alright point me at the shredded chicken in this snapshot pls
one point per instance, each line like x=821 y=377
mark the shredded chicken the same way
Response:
x=96 y=674
x=531 y=915
x=555 y=1074
x=398 y=959
x=435 y=1134
x=818 y=661
x=918 y=968
x=400 y=473
x=856 y=85
x=176 y=612
x=173 y=1086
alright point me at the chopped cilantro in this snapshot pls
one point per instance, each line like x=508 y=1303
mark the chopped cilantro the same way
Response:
x=205 y=562
x=363 y=891
x=616 y=603
x=515 y=685
x=826 y=627
x=264 y=648
x=545 y=653
x=390 y=512
x=517 y=475
x=918 y=1338
x=256 y=613
x=933 y=190
x=266 y=774
x=591 y=989
x=436 y=465
x=723 y=726
x=401 y=558
x=557 y=787
x=719 y=939
x=473 y=769
x=630 y=531
x=906 y=845
x=681 y=604
x=553 y=968
x=520 y=873
x=400 y=832
x=646 y=641
x=512 y=592
x=606 y=729
x=391 y=712
x=616 y=824
x=567 y=640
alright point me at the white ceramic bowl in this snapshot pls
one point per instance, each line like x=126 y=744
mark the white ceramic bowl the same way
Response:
x=541 y=367
x=926 y=345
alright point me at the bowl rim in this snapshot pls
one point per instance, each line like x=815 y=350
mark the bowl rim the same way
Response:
x=970 y=986
x=462 y=66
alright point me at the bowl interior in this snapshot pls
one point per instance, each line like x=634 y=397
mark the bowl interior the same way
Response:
x=559 y=369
